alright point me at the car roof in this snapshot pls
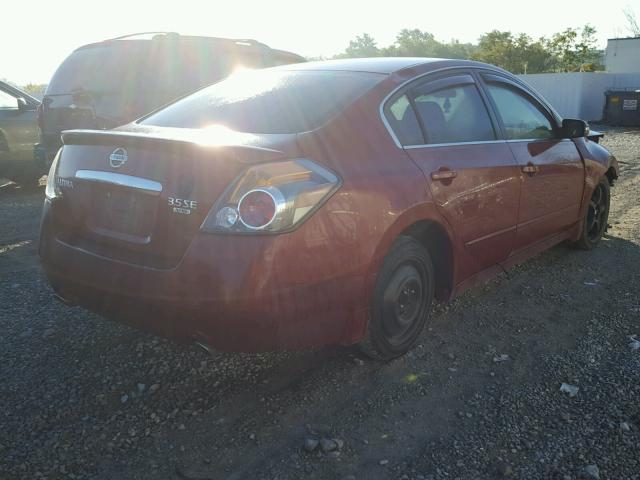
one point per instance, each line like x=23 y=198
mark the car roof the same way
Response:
x=146 y=38
x=383 y=65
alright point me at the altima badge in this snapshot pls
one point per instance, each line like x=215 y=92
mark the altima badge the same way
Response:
x=118 y=158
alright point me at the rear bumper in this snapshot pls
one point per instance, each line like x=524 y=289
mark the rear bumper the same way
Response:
x=234 y=293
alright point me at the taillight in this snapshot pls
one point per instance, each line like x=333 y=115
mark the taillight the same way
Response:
x=272 y=198
x=258 y=208
x=52 y=191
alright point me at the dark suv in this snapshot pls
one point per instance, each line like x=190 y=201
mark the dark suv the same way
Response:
x=110 y=83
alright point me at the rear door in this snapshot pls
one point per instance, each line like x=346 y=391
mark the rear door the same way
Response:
x=553 y=173
x=472 y=174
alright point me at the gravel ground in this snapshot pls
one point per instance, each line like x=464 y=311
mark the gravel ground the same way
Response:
x=479 y=398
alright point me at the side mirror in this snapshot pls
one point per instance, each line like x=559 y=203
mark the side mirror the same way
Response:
x=572 y=128
x=23 y=106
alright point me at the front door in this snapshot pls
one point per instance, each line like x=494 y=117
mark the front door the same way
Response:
x=553 y=173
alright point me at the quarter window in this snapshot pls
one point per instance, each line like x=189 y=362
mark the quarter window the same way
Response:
x=522 y=119
x=453 y=114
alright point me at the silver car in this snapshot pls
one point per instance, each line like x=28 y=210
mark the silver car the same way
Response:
x=18 y=136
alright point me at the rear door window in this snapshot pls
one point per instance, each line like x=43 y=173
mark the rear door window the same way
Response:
x=403 y=121
x=452 y=114
x=521 y=117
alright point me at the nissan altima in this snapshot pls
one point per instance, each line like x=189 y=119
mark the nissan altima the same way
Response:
x=320 y=203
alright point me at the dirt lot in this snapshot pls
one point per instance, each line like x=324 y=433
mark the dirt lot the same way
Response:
x=479 y=398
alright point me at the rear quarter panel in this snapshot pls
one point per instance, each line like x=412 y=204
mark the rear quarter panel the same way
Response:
x=383 y=193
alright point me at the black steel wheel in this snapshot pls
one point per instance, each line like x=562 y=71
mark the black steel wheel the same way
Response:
x=595 y=221
x=401 y=300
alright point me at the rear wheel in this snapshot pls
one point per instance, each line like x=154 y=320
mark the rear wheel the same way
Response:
x=595 y=222
x=401 y=301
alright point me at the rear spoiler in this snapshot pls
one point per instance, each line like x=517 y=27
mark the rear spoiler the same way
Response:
x=176 y=140
x=109 y=137
x=162 y=136
x=595 y=136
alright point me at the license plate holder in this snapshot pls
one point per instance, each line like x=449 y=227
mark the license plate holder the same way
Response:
x=124 y=214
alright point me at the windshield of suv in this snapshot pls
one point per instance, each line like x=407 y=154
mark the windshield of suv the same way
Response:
x=267 y=101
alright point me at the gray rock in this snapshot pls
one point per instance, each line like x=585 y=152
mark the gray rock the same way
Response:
x=310 y=444
x=572 y=390
x=591 y=472
x=328 y=445
x=384 y=462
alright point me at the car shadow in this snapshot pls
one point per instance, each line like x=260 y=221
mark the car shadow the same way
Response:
x=9 y=189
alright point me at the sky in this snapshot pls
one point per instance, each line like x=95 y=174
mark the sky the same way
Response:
x=34 y=43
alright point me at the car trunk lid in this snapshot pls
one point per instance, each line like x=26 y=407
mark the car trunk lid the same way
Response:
x=140 y=195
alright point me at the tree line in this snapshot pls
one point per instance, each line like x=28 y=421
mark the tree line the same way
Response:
x=572 y=50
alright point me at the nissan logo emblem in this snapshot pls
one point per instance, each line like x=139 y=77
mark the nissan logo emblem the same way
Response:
x=118 y=157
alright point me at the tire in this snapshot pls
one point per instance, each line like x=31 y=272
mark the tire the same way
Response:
x=401 y=301
x=595 y=222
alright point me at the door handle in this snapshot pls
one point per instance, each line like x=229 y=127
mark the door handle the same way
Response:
x=444 y=175
x=530 y=168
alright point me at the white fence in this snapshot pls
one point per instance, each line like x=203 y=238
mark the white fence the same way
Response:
x=580 y=95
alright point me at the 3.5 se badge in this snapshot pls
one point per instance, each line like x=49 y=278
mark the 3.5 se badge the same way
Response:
x=182 y=206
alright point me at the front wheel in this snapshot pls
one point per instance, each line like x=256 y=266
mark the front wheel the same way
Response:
x=595 y=222
x=401 y=302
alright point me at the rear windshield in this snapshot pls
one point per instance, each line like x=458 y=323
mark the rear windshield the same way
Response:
x=267 y=101
x=100 y=69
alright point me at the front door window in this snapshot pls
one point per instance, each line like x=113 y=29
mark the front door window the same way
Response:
x=8 y=102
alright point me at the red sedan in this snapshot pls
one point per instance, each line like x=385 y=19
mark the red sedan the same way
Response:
x=319 y=203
